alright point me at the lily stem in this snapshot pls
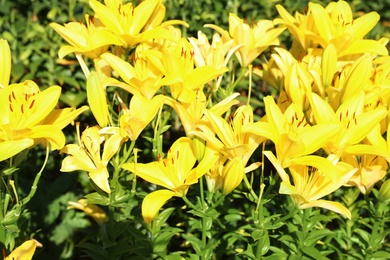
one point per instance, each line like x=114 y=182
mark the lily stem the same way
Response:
x=36 y=180
x=204 y=219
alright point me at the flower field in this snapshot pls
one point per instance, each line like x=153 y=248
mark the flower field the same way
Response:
x=194 y=129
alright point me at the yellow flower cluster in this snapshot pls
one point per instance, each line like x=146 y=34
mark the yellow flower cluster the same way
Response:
x=327 y=123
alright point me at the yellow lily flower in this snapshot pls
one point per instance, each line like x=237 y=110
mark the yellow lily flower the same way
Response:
x=90 y=40
x=87 y=156
x=313 y=178
x=142 y=78
x=355 y=123
x=217 y=54
x=253 y=41
x=290 y=132
x=378 y=146
x=134 y=24
x=25 y=251
x=92 y=210
x=181 y=76
x=191 y=114
x=175 y=172
x=142 y=111
x=371 y=169
x=211 y=54
x=5 y=58
x=25 y=112
x=27 y=115
x=231 y=140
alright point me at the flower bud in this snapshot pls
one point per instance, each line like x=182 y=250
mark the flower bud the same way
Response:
x=233 y=174
x=384 y=192
x=199 y=147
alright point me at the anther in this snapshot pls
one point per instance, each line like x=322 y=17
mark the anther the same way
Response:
x=32 y=104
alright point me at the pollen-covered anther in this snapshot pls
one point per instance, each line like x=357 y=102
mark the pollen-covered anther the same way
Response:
x=32 y=104
x=183 y=52
x=302 y=122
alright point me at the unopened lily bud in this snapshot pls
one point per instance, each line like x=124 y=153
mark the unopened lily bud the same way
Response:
x=11 y=217
x=199 y=147
x=384 y=192
x=233 y=173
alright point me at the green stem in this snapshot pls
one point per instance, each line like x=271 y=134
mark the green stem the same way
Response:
x=204 y=218
x=379 y=221
x=233 y=86
x=124 y=159
x=249 y=186
x=303 y=232
x=189 y=203
x=250 y=84
x=36 y=180
x=259 y=217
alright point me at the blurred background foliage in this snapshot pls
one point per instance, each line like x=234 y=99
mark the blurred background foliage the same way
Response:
x=34 y=46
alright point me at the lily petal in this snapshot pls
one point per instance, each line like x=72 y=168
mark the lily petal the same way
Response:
x=153 y=202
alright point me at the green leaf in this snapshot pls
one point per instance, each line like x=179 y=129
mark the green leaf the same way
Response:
x=97 y=198
x=313 y=253
x=316 y=235
x=162 y=217
x=194 y=241
x=162 y=240
x=94 y=251
x=379 y=255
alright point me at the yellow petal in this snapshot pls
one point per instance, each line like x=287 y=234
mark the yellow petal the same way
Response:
x=329 y=64
x=107 y=16
x=330 y=205
x=25 y=251
x=11 y=148
x=322 y=111
x=100 y=178
x=365 y=46
x=320 y=163
x=142 y=13
x=363 y=25
x=322 y=21
x=62 y=117
x=45 y=102
x=357 y=77
x=97 y=101
x=221 y=128
x=49 y=133
x=153 y=202
x=279 y=168
x=92 y=210
x=123 y=68
x=150 y=172
x=5 y=57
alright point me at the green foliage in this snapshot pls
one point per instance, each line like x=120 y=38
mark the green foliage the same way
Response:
x=236 y=228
